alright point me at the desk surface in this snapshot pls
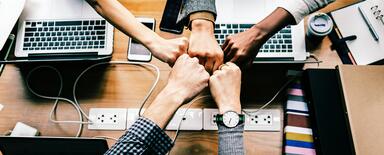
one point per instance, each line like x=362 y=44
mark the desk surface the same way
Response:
x=123 y=86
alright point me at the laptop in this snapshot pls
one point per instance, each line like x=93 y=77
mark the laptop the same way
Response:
x=234 y=16
x=52 y=145
x=64 y=28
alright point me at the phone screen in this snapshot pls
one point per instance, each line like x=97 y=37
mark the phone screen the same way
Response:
x=170 y=15
x=137 y=48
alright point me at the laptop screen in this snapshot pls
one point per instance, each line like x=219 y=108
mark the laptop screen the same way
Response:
x=52 y=145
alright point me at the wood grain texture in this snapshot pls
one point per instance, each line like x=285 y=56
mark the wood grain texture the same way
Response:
x=123 y=86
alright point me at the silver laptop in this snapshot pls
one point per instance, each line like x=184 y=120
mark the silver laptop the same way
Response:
x=62 y=28
x=234 y=16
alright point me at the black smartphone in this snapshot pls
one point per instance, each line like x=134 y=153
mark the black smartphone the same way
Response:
x=169 y=19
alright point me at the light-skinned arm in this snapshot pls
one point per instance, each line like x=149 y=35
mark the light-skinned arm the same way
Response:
x=225 y=86
x=199 y=16
x=165 y=50
x=186 y=80
x=204 y=45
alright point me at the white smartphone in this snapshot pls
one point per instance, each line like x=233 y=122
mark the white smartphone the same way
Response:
x=137 y=51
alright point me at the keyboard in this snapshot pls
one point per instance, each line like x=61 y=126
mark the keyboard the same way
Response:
x=281 y=42
x=64 y=35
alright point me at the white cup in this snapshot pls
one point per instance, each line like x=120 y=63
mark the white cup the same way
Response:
x=319 y=25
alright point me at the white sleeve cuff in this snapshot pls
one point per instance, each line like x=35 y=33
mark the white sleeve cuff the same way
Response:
x=300 y=8
x=297 y=8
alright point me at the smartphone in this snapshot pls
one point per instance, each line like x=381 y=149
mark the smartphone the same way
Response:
x=170 y=15
x=137 y=51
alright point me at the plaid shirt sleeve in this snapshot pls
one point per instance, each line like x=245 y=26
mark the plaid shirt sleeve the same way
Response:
x=143 y=137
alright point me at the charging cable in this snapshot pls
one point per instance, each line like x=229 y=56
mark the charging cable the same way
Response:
x=75 y=103
x=189 y=104
x=250 y=113
x=119 y=62
x=57 y=99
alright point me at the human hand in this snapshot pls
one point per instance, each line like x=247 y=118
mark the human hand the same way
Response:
x=225 y=86
x=243 y=47
x=185 y=81
x=187 y=78
x=204 y=46
x=168 y=50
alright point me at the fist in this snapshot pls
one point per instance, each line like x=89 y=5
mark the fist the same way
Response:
x=188 y=77
x=225 y=86
x=168 y=50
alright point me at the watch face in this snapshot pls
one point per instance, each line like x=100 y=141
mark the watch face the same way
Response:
x=231 y=119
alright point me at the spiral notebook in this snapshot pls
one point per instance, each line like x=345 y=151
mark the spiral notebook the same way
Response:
x=365 y=49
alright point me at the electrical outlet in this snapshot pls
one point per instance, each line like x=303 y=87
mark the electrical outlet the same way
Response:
x=193 y=119
x=209 y=122
x=133 y=115
x=263 y=120
x=108 y=119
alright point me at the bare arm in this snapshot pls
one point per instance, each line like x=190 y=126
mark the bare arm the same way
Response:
x=125 y=21
x=186 y=80
x=242 y=48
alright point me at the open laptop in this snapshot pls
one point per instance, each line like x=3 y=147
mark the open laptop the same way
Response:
x=52 y=145
x=65 y=28
x=234 y=16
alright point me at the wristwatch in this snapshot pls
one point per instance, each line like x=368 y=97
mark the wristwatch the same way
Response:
x=230 y=119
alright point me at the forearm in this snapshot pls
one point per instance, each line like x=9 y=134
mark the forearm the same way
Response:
x=231 y=140
x=202 y=25
x=143 y=137
x=146 y=134
x=277 y=20
x=124 y=20
x=163 y=107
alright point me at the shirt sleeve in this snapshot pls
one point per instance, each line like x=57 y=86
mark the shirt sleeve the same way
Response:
x=231 y=140
x=144 y=136
x=193 y=6
x=301 y=8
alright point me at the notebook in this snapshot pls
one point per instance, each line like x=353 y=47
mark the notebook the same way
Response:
x=363 y=89
x=365 y=49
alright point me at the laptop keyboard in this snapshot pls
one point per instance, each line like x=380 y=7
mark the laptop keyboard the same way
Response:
x=280 y=42
x=64 y=35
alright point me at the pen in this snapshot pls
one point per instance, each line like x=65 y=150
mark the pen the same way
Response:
x=370 y=27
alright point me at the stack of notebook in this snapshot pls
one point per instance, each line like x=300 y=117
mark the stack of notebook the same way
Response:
x=297 y=131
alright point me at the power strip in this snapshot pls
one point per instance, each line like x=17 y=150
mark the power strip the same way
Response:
x=263 y=120
x=195 y=119
x=192 y=121
x=108 y=119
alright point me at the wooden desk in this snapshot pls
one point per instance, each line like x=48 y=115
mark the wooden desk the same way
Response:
x=123 y=86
